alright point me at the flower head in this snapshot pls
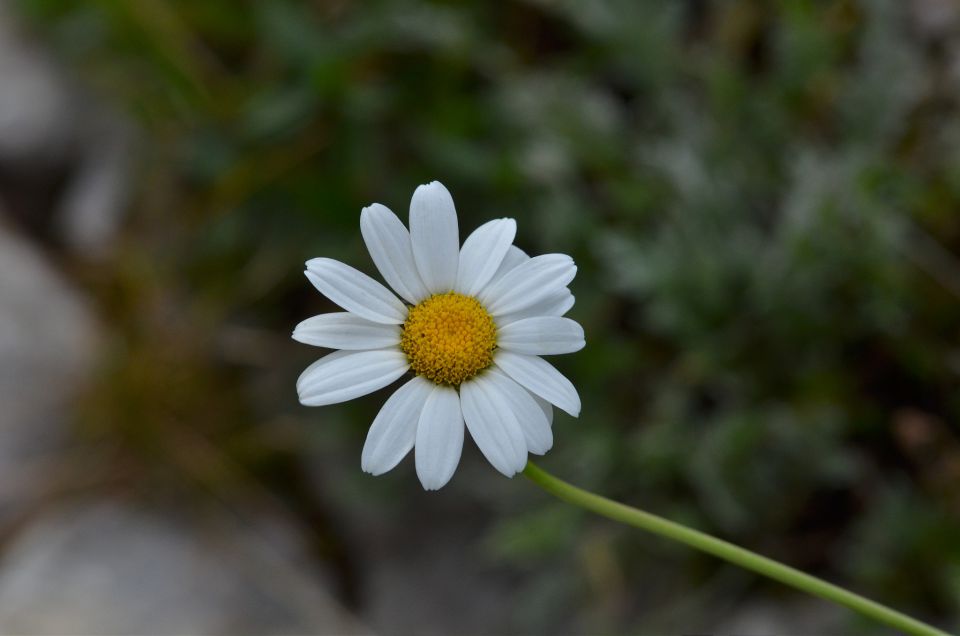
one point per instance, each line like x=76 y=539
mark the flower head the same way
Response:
x=471 y=327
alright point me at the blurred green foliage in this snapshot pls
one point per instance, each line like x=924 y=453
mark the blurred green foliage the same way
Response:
x=762 y=199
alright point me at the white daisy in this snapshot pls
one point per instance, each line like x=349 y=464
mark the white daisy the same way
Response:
x=470 y=328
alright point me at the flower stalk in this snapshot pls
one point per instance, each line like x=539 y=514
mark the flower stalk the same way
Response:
x=728 y=552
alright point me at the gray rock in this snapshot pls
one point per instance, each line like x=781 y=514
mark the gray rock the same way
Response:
x=935 y=18
x=803 y=617
x=109 y=567
x=35 y=105
x=115 y=567
x=64 y=156
x=48 y=343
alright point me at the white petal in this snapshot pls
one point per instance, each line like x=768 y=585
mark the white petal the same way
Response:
x=493 y=425
x=528 y=283
x=514 y=257
x=344 y=375
x=530 y=413
x=439 y=438
x=482 y=254
x=343 y=330
x=540 y=378
x=559 y=303
x=394 y=430
x=435 y=237
x=541 y=336
x=388 y=242
x=545 y=406
x=355 y=291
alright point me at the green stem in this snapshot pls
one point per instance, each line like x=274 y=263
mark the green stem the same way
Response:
x=727 y=551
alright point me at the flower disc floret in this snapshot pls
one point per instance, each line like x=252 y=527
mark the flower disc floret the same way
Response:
x=449 y=338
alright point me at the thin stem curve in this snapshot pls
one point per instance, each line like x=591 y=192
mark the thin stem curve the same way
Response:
x=728 y=552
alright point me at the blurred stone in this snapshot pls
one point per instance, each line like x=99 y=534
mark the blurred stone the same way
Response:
x=432 y=566
x=48 y=342
x=935 y=18
x=762 y=617
x=35 y=105
x=64 y=157
x=115 y=567
x=425 y=567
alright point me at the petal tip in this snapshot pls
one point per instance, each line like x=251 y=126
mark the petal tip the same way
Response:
x=316 y=263
x=432 y=186
x=373 y=208
x=432 y=484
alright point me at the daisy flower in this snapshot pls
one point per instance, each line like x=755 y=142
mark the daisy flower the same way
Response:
x=469 y=323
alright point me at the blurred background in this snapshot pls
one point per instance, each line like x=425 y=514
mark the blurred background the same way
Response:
x=763 y=199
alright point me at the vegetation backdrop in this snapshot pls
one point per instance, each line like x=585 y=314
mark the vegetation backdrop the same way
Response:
x=762 y=199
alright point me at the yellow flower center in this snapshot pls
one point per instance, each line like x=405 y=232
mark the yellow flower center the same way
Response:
x=449 y=338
